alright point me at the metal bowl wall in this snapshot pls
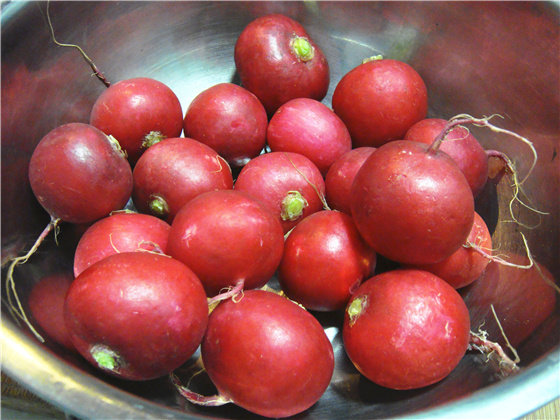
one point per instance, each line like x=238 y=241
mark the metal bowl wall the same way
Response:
x=478 y=58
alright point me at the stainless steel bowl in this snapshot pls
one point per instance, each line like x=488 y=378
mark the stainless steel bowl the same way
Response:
x=479 y=58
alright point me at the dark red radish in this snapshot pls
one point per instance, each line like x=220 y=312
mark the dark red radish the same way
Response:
x=412 y=203
x=460 y=144
x=136 y=315
x=341 y=174
x=406 y=329
x=46 y=303
x=278 y=61
x=325 y=260
x=229 y=119
x=227 y=239
x=288 y=184
x=379 y=100
x=120 y=232
x=309 y=127
x=173 y=172
x=521 y=297
x=138 y=112
x=466 y=264
x=266 y=354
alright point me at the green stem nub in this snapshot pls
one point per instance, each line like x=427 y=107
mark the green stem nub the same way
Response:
x=372 y=58
x=302 y=48
x=105 y=357
x=158 y=206
x=293 y=205
x=356 y=308
x=152 y=138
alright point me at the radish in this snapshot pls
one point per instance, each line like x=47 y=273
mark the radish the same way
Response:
x=325 y=260
x=229 y=119
x=46 y=303
x=278 y=61
x=228 y=239
x=341 y=174
x=120 y=232
x=266 y=354
x=466 y=264
x=406 y=329
x=287 y=183
x=308 y=127
x=136 y=315
x=379 y=100
x=79 y=175
x=173 y=172
x=412 y=203
x=138 y=112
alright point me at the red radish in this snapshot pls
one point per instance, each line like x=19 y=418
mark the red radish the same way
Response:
x=412 y=203
x=174 y=171
x=406 y=329
x=466 y=264
x=341 y=174
x=288 y=184
x=308 y=127
x=460 y=144
x=120 y=232
x=46 y=303
x=325 y=260
x=228 y=239
x=278 y=61
x=138 y=112
x=379 y=100
x=522 y=298
x=229 y=119
x=266 y=354
x=136 y=315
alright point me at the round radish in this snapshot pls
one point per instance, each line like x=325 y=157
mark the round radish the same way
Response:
x=412 y=203
x=174 y=171
x=406 y=329
x=267 y=354
x=79 y=174
x=138 y=112
x=227 y=239
x=460 y=144
x=120 y=232
x=308 y=127
x=341 y=174
x=379 y=100
x=278 y=61
x=325 y=260
x=466 y=264
x=288 y=184
x=136 y=315
x=229 y=119
x=46 y=303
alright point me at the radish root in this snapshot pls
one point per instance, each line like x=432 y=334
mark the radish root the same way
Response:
x=14 y=303
x=235 y=293
x=321 y=196
x=500 y=260
x=196 y=398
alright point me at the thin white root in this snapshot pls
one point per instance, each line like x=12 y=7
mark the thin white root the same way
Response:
x=500 y=260
x=321 y=196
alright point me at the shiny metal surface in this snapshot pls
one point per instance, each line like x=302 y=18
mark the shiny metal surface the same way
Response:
x=479 y=58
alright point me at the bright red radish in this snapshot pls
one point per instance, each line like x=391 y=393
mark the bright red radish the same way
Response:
x=229 y=119
x=466 y=264
x=120 y=232
x=379 y=100
x=138 y=112
x=412 y=203
x=228 y=239
x=309 y=127
x=325 y=260
x=278 y=61
x=266 y=354
x=289 y=184
x=460 y=144
x=406 y=329
x=173 y=172
x=341 y=174
x=136 y=315
x=46 y=303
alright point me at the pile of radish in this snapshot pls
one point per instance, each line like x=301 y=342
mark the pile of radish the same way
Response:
x=268 y=183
